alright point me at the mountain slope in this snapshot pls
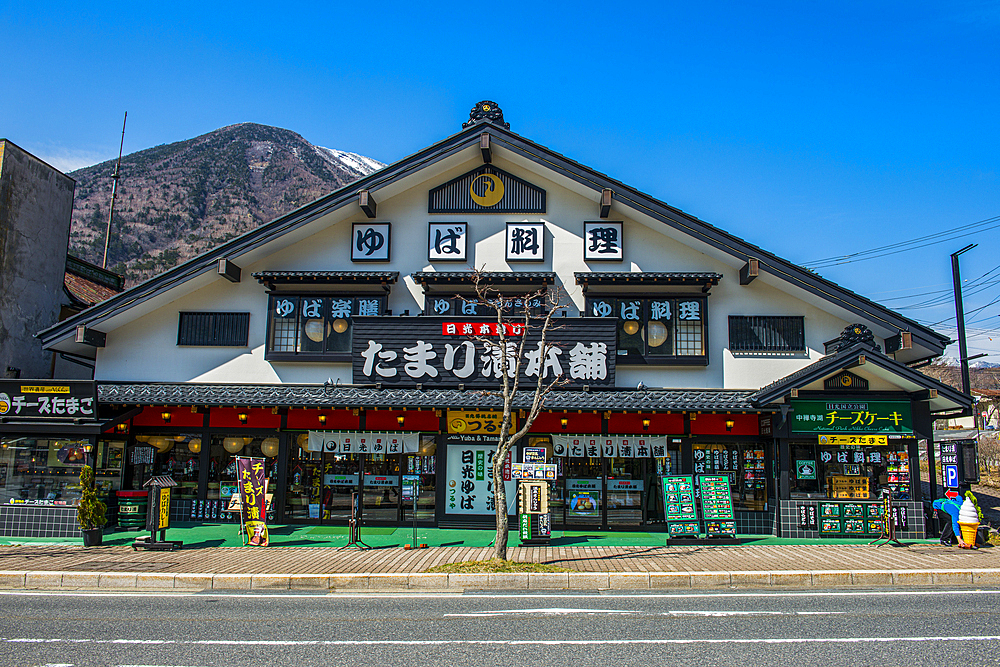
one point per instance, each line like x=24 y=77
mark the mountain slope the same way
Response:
x=178 y=200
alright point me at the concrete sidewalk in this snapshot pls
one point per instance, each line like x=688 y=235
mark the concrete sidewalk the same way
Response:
x=591 y=568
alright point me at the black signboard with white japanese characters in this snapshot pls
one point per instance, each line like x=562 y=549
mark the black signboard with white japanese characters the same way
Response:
x=447 y=241
x=48 y=399
x=603 y=241
x=808 y=517
x=370 y=241
x=446 y=352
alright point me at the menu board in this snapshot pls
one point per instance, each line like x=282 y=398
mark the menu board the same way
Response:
x=716 y=500
x=851 y=518
x=720 y=528
x=678 y=499
x=678 y=506
x=843 y=486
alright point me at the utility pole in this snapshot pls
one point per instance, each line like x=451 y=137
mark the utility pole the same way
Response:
x=960 y=316
x=114 y=193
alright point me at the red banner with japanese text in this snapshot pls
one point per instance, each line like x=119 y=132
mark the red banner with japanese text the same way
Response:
x=253 y=491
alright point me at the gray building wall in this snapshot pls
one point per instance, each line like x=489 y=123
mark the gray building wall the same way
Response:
x=36 y=205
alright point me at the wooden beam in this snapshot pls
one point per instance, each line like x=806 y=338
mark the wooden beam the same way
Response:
x=484 y=146
x=91 y=337
x=229 y=271
x=924 y=395
x=606 y=196
x=367 y=203
x=749 y=271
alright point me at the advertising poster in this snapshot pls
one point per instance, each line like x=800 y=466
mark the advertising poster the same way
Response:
x=469 y=481
x=584 y=503
x=252 y=493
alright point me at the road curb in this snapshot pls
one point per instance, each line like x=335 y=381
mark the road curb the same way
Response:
x=555 y=581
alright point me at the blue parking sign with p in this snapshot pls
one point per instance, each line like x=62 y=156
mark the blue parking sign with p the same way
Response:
x=951 y=476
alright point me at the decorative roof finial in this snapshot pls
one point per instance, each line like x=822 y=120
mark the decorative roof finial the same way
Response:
x=486 y=110
x=857 y=333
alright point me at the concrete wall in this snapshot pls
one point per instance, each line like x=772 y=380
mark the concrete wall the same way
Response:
x=36 y=204
x=145 y=349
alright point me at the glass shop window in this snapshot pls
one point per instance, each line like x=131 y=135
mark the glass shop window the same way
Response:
x=178 y=456
x=743 y=463
x=667 y=330
x=41 y=471
x=849 y=473
x=222 y=460
x=316 y=326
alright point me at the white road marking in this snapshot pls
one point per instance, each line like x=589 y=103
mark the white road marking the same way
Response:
x=560 y=611
x=499 y=642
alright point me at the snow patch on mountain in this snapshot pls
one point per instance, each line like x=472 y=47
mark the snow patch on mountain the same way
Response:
x=359 y=163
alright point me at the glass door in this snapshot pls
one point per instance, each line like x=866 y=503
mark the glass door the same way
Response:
x=422 y=467
x=626 y=492
x=382 y=491
x=340 y=482
x=580 y=492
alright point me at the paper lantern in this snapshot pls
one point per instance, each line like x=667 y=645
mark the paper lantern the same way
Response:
x=194 y=446
x=303 y=440
x=233 y=445
x=631 y=327
x=269 y=447
x=657 y=333
x=163 y=445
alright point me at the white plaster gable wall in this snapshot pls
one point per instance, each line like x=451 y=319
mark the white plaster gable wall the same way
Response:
x=146 y=350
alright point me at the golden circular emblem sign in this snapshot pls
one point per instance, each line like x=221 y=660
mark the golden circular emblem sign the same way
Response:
x=458 y=425
x=846 y=380
x=492 y=190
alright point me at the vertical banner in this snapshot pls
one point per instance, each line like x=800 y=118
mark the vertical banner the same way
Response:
x=252 y=494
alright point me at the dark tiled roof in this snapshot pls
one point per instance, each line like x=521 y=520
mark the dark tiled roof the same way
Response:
x=84 y=292
x=298 y=395
x=326 y=277
x=487 y=277
x=646 y=277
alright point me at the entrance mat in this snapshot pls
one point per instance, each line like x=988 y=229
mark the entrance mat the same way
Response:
x=346 y=530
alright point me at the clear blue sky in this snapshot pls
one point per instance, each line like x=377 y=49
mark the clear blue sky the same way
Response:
x=810 y=129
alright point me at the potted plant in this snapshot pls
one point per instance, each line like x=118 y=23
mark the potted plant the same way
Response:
x=90 y=513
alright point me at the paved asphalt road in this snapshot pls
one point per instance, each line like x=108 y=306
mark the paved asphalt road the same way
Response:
x=823 y=629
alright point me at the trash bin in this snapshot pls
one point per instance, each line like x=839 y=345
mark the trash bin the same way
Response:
x=132 y=509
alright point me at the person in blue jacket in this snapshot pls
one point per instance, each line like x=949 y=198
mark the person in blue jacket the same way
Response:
x=951 y=530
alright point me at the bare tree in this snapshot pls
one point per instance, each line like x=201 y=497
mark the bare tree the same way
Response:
x=514 y=321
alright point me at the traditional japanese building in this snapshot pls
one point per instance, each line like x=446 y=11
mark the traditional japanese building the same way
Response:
x=342 y=343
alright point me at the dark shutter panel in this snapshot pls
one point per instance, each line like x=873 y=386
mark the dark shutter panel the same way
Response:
x=216 y=329
x=766 y=333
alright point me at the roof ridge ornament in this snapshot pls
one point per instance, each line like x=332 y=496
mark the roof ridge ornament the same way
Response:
x=486 y=110
x=857 y=333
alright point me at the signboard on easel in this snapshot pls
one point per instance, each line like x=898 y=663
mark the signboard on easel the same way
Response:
x=678 y=506
x=717 y=505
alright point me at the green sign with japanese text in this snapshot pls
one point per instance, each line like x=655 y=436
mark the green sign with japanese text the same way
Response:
x=851 y=417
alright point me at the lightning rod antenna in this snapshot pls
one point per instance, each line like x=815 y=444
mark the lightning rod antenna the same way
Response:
x=114 y=194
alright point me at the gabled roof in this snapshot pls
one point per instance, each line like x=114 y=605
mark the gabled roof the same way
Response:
x=861 y=356
x=504 y=139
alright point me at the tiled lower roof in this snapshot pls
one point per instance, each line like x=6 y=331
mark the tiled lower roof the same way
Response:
x=298 y=395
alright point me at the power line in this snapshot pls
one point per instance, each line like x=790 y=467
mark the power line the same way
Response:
x=912 y=244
